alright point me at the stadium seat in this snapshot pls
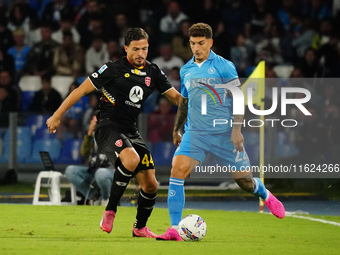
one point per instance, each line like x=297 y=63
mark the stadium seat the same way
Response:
x=62 y=84
x=30 y=83
x=283 y=71
x=286 y=151
x=27 y=98
x=36 y=121
x=163 y=152
x=24 y=145
x=53 y=146
x=70 y=153
x=44 y=133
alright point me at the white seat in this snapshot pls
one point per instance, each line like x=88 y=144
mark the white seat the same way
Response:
x=54 y=185
x=62 y=84
x=283 y=71
x=30 y=83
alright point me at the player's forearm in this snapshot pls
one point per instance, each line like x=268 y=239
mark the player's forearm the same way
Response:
x=238 y=121
x=68 y=103
x=182 y=114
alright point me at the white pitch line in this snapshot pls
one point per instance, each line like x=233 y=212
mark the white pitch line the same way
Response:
x=314 y=219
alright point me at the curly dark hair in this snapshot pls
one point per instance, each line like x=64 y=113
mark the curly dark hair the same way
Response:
x=201 y=30
x=135 y=34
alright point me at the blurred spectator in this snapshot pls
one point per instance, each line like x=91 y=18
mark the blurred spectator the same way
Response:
x=319 y=9
x=22 y=15
x=93 y=181
x=259 y=11
x=180 y=42
x=47 y=99
x=241 y=54
x=330 y=57
x=6 y=62
x=113 y=51
x=166 y=61
x=66 y=24
x=170 y=24
x=160 y=122
x=269 y=48
x=19 y=52
x=324 y=33
x=6 y=36
x=70 y=123
x=96 y=55
x=84 y=25
x=68 y=57
x=95 y=28
x=174 y=78
x=55 y=10
x=208 y=11
x=235 y=14
x=121 y=25
x=304 y=40
x=40 y=58
x=7 y=105
x=93 y=99
x=285 y=12
x=6 y=81
x=309 y=64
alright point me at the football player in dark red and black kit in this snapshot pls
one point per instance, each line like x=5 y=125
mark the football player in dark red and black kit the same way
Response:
x=125 y=84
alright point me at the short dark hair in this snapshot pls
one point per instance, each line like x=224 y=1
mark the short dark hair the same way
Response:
x=201 y=30
x=135 y=34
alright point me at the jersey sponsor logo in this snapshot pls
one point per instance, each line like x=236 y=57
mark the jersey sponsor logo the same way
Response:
x=127 y=75
x=119 y=143
x=94 y=75
x=136 y=94
x=147 y=81
x=138 y=72
x=187 y=75
x=102 y=69
x=172 y=193
x=211 y=70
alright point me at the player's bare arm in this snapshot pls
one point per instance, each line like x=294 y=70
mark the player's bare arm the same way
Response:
x=181 y=117
x=85 y=88
x=236 y=135
x=174 y=96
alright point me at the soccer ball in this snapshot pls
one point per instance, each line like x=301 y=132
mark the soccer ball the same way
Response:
x=192 y=228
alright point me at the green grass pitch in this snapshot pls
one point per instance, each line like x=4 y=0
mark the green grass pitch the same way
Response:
x=27 y=229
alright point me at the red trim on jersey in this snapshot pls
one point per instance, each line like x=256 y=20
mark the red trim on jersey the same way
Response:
x=134 y=65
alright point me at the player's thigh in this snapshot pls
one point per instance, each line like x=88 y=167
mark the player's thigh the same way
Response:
x=113 y=143
x=147 y=180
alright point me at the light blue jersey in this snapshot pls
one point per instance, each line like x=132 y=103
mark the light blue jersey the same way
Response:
x=207 y=104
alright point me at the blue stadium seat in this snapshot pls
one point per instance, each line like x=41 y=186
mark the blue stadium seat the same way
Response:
x=70 y=153
x=27 y=97
x=251 y=138
x=43 y=133
x=163 y=152
x=286 y=151
x=24 y=145
x=253 y=154
x=53 y=146
x=36 y=121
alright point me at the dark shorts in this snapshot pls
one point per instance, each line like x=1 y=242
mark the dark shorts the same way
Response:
x=112 y=141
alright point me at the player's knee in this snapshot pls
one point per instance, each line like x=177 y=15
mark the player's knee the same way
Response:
x=247 y=184
x=69 y=172
x=131 y=162
x=150 y=187
x=180 y=171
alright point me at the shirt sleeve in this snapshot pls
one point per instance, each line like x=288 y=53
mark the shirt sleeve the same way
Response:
x=229 y=73
x=162 y=85
x=103 y=75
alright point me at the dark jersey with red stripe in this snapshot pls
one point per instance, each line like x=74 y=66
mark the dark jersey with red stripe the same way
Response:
x=125 y=88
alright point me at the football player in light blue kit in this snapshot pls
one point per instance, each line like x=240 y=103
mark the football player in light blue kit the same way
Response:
x=207 y=108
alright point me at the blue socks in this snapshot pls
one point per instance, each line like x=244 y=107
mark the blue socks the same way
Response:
x=260 y=189
x=176 y=200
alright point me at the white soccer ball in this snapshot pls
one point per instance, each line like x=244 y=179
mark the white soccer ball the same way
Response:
x=192 y=228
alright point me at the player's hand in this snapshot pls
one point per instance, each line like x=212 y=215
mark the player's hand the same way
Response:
x=177 y=138
x=92 y=126
x=52 y=124
x=237 y=139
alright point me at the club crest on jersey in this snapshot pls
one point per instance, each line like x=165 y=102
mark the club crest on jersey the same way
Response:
x=147 y=81
x=119 y=143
